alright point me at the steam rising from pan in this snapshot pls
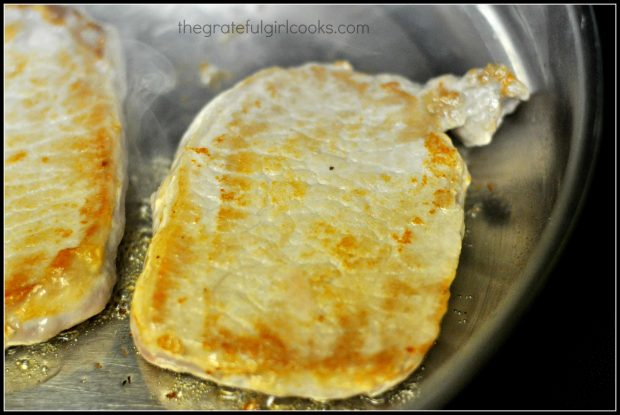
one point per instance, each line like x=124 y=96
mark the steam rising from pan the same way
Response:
x=150 y=76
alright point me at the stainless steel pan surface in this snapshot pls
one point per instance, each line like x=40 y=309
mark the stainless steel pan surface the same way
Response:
x=525 y=192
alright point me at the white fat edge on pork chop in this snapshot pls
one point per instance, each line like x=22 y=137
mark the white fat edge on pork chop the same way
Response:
x=485 y=97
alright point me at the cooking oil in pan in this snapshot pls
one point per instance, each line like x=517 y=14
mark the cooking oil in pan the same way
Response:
x=28 y=366
x=180 y=391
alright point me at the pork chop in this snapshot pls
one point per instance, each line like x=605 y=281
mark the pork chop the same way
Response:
x=310 y=227
x=64 y=165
